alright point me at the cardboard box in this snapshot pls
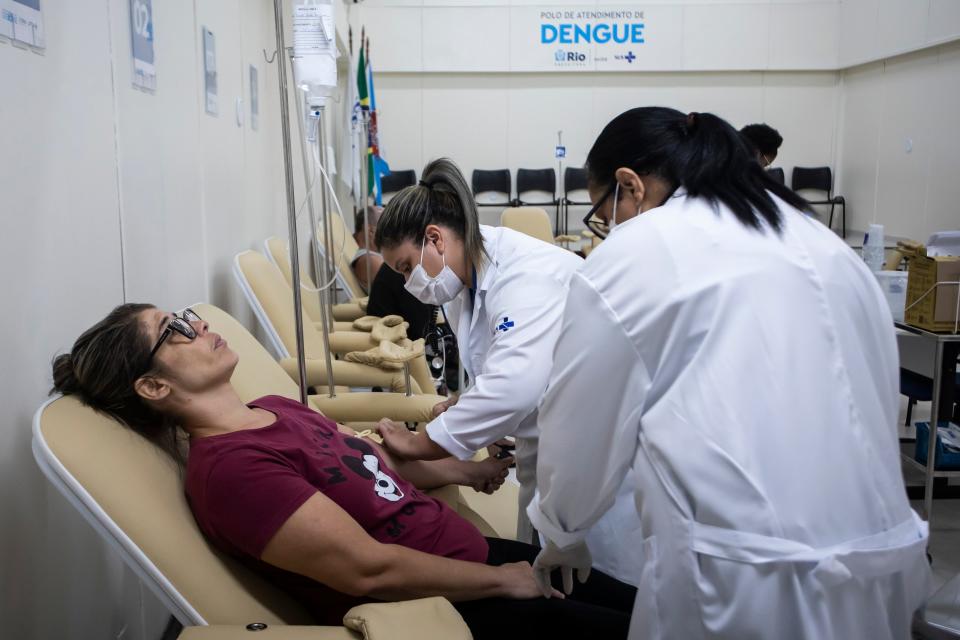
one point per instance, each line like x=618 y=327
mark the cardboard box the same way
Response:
x=937 y=311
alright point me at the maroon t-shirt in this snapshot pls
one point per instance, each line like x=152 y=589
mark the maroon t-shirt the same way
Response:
x=242 y=486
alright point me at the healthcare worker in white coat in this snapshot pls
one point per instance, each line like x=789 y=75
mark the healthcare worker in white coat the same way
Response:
x=741 y=360
x=503 y=293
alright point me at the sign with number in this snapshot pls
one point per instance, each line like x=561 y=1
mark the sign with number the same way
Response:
x=22 y=22
x=141 y=39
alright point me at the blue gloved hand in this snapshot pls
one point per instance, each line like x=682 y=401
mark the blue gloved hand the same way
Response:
x=551 y=557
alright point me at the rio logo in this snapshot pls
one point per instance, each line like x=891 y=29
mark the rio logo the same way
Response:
x=562 y=56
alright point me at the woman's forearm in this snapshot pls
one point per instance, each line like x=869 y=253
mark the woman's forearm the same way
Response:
x=427 y=474
x=408 y=574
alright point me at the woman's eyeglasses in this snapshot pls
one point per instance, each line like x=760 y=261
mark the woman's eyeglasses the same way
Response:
x=596 y=225
x=180 y=324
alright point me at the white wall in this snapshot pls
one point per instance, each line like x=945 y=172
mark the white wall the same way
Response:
x=872 y=30
x=679 y=35
x=110 y=194
x=495 y=121
x=907 y=102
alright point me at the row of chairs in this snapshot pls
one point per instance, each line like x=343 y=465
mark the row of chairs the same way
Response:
x=494 y=188
x=538 y=187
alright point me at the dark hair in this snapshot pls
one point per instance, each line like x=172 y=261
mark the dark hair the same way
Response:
x=101 y=369
x=763 y=138
x=700 y=152
x=443 y=198
x=359 y=219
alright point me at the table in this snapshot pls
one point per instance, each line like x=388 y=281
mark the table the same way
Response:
x=854 y=239
x=945 y=349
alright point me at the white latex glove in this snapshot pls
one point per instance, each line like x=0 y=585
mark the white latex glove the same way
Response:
x=551 y=557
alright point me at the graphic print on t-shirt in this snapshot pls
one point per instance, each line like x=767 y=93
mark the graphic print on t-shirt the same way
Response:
x=368 y=467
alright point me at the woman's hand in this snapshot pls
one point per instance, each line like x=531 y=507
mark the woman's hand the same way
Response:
x=519 y=584
x=489 y=474
x=440 y=407
x=398 y=440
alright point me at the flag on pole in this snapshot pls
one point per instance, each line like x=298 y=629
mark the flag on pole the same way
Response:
x=378 y=166
x=362 y=96
x=349 y=143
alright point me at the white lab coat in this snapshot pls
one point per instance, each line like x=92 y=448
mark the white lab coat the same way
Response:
x=524 y=283
x=751 y=384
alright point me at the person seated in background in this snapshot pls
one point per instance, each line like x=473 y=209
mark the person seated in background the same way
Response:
x=367 y=260
x=327 y=516
x=764 y=141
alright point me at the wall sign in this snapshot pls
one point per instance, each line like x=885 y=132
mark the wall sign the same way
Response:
x=141 y=37
x=254 y=98
x=588 y=38
x=584 y=37
x=22 y=21
x=210 y=71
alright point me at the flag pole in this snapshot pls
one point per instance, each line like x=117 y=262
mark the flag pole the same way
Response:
x=366 y=217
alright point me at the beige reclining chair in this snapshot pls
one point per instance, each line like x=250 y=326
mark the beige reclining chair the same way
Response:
x=344 y=314
x=344 y=248
x=271 y=299
x=345 y=336
x=132 y=494
x=534 y=222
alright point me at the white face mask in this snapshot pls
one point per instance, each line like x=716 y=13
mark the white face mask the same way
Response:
x=438 y=290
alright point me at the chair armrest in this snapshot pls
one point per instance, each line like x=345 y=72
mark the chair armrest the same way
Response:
x=346 y=341
x=425 y=619
x=347 y=312
x=350 y=374
x=371 y=407
x=272 y=632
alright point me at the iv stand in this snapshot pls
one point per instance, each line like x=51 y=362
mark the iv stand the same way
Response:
x=323 y=271
x=320 y=274
x=326 y=305
x=291 y=204
x=328 y=238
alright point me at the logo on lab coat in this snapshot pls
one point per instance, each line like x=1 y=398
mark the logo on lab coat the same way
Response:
x=505 y=326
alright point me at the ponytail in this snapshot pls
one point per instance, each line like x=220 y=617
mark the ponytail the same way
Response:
x=700 y=152
x=64 y=376
x=442 y=197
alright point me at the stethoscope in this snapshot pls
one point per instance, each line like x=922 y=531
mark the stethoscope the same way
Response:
x=438 y=341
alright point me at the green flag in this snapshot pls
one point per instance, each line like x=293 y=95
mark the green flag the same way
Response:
x=362 y=81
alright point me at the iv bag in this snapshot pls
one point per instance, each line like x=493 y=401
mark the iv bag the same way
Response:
x=315 y=49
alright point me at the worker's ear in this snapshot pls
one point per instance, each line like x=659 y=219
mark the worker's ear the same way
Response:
x=151 y=388
x=434 y=236
x=632 y=191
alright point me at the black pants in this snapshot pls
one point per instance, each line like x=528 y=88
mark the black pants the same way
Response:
x=600 y=608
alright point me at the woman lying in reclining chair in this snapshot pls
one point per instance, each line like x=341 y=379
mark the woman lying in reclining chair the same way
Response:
x=329 y=517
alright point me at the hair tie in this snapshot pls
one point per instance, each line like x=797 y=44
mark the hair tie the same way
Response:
x=691 y=121
x=428 y=185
